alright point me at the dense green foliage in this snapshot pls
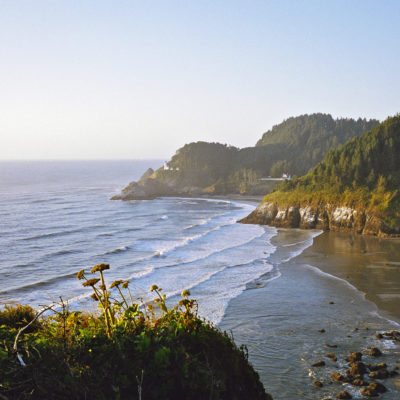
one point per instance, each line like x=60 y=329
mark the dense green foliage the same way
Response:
x=365 y=172
x=139 y=353
x=310 y=137
x=292 y=147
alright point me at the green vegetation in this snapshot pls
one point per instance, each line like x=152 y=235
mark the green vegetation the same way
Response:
x=129 y=351
x=292 y=147
x=310 y=137
x=363 y=173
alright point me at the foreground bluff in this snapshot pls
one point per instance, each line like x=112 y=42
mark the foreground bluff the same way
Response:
x=355 y=188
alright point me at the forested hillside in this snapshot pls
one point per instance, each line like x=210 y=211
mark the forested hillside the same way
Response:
x=292 y=147
x=363 y=174
x=309 y=137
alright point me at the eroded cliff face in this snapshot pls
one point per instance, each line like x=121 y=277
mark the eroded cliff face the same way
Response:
x=326 y=217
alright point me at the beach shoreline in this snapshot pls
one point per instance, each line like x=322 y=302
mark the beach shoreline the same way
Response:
x=370 y=264
x=312 y=303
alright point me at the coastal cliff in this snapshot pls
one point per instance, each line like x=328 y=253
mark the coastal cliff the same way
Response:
x=355 y=188
x=327 y=217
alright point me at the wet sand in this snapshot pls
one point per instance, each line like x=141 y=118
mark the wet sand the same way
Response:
x=313 y=299
x=370 y=264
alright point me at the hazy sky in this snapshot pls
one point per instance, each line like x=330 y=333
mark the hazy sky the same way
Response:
x=138 y=79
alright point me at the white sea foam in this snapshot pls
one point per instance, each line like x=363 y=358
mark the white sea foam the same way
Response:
x=305 y=244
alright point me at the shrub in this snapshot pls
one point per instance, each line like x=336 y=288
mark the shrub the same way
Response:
x=129 y=351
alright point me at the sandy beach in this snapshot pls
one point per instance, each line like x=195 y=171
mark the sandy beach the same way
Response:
x=370 y=264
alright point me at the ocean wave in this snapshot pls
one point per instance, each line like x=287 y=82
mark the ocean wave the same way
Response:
x=264 y=279
x=39 y=284
x=307 y=243
x=336 y=278
x=47 y=200
x=165 y=251
x=117 y=250
x=51 y=235
x=162 y=254
x=63 y=253
x=214 y=306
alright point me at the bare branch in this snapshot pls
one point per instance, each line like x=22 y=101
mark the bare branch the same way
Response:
x=15 y=347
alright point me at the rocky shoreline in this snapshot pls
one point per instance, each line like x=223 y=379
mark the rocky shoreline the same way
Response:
x=150 y=187
x=356 y=371
x=326 y=217
x=154 y=189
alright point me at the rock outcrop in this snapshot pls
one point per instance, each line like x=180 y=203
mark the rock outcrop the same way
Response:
x=326 y=217
x=150 y=189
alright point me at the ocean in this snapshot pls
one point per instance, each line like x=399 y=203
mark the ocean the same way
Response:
x=57 y=218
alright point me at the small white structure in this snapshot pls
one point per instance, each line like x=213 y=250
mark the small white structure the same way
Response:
x=284 y=176
x=166 y=168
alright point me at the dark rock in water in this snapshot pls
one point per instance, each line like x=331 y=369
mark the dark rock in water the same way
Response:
x=379 y=374
x=373 y=389
x=377 y=387
x=317 y=384
x=344 y=395
x=379 y=336
x=332 y=346
x=320 y=363
x=331 y=302
x=321 y=330
x=374 y=367
x=359 y=382
x=357 y=369
x=332 y=356
x=357 y=356
x=375 y=352
x=337 y=377
x=368 y=392
x=392 y=333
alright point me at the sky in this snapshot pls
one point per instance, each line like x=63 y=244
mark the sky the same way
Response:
x=119 y=79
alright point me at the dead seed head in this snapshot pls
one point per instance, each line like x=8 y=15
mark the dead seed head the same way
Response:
x=125 y=284
x=80 y=275
x=184 y=302
x=185 y=293
x=91 y=282
x=100 y=267
x=115 y=284
x=153 y=288
x=94 y=297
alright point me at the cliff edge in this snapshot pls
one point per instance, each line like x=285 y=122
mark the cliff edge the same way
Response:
x=327 y=217
x=355 y=188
